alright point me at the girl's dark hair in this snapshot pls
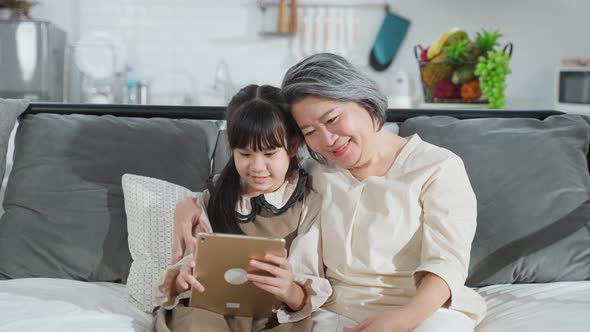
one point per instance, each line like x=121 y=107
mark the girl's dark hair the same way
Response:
x=257 y=118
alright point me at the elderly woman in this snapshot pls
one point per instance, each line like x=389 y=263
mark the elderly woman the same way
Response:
x=398 y=215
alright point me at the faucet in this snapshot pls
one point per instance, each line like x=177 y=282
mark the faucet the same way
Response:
x=223 y=80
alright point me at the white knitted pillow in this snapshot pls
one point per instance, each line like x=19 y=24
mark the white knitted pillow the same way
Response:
x=149 y=205
x=10 y=109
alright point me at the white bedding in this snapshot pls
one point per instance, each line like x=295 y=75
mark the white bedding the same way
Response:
x=40 y=304
x=558 y=306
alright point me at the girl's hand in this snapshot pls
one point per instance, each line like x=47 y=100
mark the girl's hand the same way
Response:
x=186 y=279
x=281 y=283
x=186 y=217
x=394 y=321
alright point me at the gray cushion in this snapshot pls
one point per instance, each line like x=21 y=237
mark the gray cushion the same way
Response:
x=532 y=185
x=221 y=154
x=10 y=109
x=65 y=213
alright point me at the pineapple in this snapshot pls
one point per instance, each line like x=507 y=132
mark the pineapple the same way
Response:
x=436 y=70
x=456 y=49
x=472 y=52
x=440 y=66
x=486 y=41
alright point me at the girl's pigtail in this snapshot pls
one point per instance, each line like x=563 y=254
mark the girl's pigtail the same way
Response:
x=224 y=197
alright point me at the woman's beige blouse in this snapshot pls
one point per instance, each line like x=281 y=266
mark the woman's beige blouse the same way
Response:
x=377 y=233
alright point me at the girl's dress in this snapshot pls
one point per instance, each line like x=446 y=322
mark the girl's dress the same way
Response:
x=291 y=212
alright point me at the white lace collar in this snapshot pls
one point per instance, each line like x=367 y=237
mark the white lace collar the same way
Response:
x=276 y=200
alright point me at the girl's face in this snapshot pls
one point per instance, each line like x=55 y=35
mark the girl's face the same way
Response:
x=342 y=132
x=261 y=171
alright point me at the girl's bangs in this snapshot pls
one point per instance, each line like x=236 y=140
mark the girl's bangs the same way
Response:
x=258 y=129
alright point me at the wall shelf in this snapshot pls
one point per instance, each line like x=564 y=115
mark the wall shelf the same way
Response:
x=263 y=4
x=277 y=34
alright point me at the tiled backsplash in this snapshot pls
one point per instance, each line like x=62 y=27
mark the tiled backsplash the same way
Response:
x=178 y=44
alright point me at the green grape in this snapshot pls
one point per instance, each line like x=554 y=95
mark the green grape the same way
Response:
x=492 y=71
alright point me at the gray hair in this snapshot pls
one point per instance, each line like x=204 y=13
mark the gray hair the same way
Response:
x=331 y=76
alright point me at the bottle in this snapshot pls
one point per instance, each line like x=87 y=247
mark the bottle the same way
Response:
x=283 y=18
x=143 y=93
x=294 y=20
x=130 y=96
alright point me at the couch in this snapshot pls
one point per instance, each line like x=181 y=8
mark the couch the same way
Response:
x=67 y=241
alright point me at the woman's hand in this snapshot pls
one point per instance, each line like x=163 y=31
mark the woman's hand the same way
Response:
x=394 y=321
x=186 y=279
x=186 y=217
x=281 y=283
x=432 y=292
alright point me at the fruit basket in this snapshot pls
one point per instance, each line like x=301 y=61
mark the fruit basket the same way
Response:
x=454 y=69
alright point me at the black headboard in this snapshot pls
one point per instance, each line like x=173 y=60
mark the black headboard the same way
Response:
x=218 y=112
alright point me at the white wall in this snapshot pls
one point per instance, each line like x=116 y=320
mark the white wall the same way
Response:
x=171 y=40
x=543 y=32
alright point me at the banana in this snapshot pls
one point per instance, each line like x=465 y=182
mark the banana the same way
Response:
x=437 y=47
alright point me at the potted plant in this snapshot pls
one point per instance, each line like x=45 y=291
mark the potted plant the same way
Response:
x=16 y=8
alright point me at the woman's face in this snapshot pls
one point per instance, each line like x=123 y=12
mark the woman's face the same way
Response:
x=340 y=131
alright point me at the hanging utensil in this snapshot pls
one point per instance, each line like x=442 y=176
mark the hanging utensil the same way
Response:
x=389 y=39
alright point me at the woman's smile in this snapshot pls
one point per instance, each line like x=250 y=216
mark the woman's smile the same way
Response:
x=341 y=150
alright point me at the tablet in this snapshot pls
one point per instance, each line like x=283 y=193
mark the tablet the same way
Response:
x=221 y=264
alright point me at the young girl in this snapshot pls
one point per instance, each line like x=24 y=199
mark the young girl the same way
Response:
x=260 y=192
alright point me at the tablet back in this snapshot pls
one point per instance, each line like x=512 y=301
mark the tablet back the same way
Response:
x=221 y=267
